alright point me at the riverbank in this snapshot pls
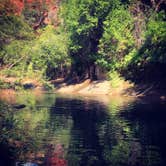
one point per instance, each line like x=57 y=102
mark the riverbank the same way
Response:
x=88 y=87
x=25 y=83
x=85 y=88
x=104 y=88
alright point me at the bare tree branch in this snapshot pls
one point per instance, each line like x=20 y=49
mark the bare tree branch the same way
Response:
x=156 y=5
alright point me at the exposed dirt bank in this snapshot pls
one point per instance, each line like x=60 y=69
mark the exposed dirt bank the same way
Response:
x=26 y=83
x=103 y=87
x=88 y=87
x=10 y=95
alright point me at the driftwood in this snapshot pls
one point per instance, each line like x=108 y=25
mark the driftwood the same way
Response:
x=144 y=92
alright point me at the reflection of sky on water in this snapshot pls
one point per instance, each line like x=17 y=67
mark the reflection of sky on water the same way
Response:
x=26 y=164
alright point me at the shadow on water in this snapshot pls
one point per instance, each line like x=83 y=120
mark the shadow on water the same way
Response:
x=84 y=146
x=60 y=131
x=149 y=125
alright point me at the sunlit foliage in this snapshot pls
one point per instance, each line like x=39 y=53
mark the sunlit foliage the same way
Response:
x=53 y=38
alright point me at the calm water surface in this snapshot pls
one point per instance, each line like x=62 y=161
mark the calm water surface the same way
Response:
x=51 y=130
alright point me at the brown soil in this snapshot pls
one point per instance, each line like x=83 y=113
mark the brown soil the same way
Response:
x=88 y=87
x=25 y=81
x=103 y=87
x=8 y=95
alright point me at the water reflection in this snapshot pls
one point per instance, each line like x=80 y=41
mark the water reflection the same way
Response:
x=58 y=131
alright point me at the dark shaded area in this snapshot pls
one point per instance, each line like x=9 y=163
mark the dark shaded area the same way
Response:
x=6 y=156
x=149 y=79
x=149 y=124
x=148 y=67
x=20 y=106
x=86 y=116
x=29 y=86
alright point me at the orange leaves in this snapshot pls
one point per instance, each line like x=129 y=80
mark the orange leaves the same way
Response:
x=11 y=7
x=46 y=11
x=16 y=6
x=19 y=6
x=55 y=161
x=56 y=156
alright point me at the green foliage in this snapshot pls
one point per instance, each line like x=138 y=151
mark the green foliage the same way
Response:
x=25 y=54
x=14 y=51
x=4 y=85
x=47 y=86
x=156 y=27
x=152 y=50
x=14 y=27
x=15 y=34
x=113 y=34
x=117 y=41
x=118 y=47
x=36 y=58
x=15 y=57
x=115 y=79
x=49 y=50
x=84 y=22
x=16 y=85
x=120 y=153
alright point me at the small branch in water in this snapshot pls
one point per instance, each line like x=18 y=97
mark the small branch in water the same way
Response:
x=145 y=91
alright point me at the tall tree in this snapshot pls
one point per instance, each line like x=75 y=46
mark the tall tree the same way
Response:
x=84 y=21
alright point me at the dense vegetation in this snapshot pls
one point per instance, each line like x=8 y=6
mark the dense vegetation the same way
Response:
x=83 y=39
x=115 y=35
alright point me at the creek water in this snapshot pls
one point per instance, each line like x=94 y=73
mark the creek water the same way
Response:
x=53 y=130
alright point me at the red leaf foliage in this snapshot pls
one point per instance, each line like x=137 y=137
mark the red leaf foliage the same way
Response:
x=16 y=6
x=56 y=156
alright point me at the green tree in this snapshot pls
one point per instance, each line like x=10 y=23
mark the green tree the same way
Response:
x=117 y=41
x=49 y=53
x=84 y=22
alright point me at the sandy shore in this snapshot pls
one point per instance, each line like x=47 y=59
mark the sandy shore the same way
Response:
x=88 y=87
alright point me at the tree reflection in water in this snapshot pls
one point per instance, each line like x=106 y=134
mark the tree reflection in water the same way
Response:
x=55 y=156
x=58 y=131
